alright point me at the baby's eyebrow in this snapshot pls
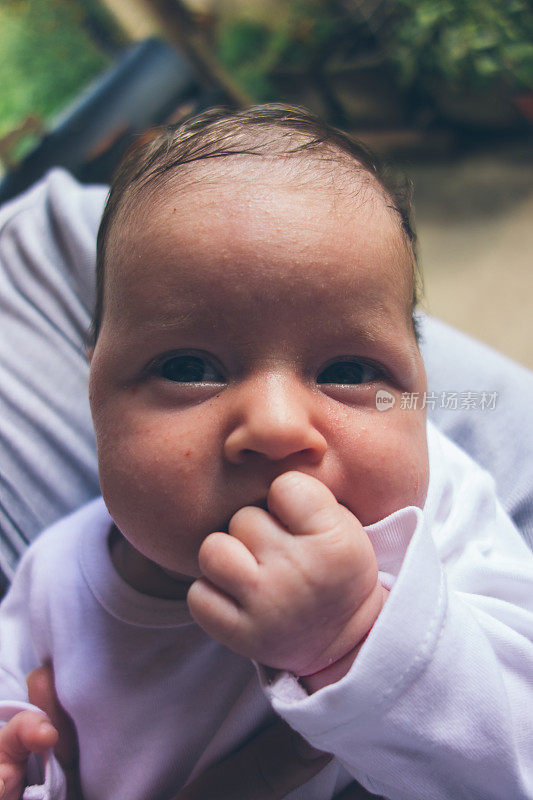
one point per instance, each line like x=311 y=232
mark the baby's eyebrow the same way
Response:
x=168 y=320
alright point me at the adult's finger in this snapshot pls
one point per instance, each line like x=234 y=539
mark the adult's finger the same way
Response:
x=268 y=767
x=42 y=693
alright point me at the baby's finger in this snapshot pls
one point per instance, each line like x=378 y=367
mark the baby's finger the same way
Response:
x=228 y=563
x=304 y=505
x=257 y=530
x=216 y=612
x=27 y=732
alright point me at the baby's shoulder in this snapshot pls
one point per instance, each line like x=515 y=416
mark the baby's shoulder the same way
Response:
x=49 y=598
x=53 y=557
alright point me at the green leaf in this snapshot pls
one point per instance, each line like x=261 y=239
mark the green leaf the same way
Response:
x=46 y=57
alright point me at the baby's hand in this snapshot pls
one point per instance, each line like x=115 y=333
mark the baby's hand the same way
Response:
x=294 y=588
x=27 y=732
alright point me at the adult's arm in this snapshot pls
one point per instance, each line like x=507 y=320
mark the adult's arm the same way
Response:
x=47 y=450
x=499 y=438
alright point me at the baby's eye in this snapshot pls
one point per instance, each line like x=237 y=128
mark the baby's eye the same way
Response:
x=348 y=372
x=189 y=369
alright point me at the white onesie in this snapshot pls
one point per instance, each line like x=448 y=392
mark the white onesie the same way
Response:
x=438 y=704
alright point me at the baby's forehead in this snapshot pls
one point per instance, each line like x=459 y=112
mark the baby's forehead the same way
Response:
x=262 y=209
x=224 y=165
x=336 y=176
x=238 y=198
x=255 y=183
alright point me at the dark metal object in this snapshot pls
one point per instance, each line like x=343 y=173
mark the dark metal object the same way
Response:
x=142 y=89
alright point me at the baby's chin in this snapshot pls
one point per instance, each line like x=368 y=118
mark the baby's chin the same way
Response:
x=180 y=577
x=193 y=571
x=146 y=575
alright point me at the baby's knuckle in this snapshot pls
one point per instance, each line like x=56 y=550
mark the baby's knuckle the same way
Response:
x=209 y=550
x=241 y=520
x=200 y=602
x=327 y=520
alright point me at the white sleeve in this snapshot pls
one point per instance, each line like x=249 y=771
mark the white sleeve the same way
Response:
x=439 y=702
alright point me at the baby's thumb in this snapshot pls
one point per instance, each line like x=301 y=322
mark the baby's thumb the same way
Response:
x=304 y=505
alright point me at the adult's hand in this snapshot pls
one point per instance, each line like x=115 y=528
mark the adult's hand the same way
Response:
x=42 y=693
x=268 y=767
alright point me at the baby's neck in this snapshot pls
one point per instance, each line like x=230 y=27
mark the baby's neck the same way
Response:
x=142 y=574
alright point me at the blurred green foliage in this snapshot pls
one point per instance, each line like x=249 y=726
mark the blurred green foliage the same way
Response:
x=455 y=44
x=463 y=44
x=252 y=49
x=46 y=56
x=48 y=52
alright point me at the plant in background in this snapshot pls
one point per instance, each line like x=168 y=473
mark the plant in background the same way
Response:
x=463 y=45
x=461 y=60
x=46 y=55
x=252 y=48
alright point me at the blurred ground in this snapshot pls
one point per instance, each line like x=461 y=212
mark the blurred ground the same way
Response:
x=475 y=223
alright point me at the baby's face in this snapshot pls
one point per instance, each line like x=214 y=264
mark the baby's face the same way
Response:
x=247 y=327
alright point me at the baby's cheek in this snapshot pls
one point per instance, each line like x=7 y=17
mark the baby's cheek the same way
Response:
x=387 y=467
x=408 y=468
x=128 y=456
x=150 y=485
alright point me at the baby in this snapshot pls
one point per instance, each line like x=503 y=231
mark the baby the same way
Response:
x=256 y=287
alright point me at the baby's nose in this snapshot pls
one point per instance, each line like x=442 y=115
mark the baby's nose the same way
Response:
x=276 y=419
